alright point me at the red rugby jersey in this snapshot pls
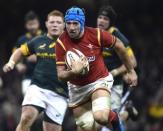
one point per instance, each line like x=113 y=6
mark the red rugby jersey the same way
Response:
x=90 y=44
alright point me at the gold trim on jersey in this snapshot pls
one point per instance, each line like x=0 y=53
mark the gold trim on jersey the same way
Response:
x=114 y=39
x=24 y=49
x=61 y=43
x=52 y=45
x=39 y=32
x=98 y=36
x=112 y=29
x=129 y=51
x=13 y=50
x=28 y=35
x=60 y=63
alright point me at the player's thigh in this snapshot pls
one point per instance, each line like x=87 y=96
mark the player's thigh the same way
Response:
x=116 y=96
x=50 y=126
x=101 y=97
x=33 y=103
x=34 y=96
x=101 y=105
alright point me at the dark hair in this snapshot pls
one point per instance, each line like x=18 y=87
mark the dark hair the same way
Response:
x=108 y=11
x=31 y=15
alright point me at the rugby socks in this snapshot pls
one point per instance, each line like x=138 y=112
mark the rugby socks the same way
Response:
x=114 y=120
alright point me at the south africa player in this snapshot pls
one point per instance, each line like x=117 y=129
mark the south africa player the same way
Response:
x=26 y=67
x=106 y=21
x=46 y=93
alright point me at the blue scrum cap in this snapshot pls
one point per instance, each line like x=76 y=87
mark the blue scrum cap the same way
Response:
x=76 y=14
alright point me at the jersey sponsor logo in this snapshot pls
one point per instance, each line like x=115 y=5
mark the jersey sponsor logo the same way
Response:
x=46 y=55
x=91 y=58
x=106 y=53
x=42 y=46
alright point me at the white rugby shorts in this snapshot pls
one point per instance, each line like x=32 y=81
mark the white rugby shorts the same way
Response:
x=81 y=94
x=54 y=105
x=116 y=96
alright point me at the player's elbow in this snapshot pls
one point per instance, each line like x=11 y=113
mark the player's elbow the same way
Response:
x=134 y=62
x=60 y=77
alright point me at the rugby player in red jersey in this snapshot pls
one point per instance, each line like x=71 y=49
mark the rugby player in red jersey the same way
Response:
x=89 y=94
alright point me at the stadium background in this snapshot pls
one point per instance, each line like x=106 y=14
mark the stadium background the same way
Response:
x=140 y=20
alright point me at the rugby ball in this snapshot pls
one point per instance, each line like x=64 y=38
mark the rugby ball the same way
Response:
x=75 y=55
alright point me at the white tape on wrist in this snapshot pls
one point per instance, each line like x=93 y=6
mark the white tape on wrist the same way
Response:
x=11 y=64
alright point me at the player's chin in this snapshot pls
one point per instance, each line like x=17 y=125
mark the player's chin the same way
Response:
x=101 y=27
x=55 y=33
x=72 y=35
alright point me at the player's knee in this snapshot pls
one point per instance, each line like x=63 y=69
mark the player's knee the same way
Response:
x=101 y=116
x=26 y=119
x=101 y=110
x=124 y=115
x=85 y=121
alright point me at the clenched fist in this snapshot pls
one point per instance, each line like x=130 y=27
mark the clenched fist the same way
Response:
x=9 y=66
x=79 y=65
x=131 y=78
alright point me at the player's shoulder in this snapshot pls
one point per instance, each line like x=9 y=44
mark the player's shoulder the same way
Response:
x=40 y=37
x=22 y=38
x=113 y=29
x=91 y=30
x=37 y=39
x=63 y=36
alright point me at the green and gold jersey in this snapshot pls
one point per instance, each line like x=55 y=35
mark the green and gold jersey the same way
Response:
x=45 y=73
x=111 y=58
x=30 y=65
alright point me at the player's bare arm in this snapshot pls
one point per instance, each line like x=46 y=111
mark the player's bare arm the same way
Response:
x=122 y=69
x=63 y=73
x=121 y=51
x=32 y=58
x=15 y=57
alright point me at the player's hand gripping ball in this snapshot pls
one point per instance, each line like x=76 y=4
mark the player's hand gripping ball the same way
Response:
x=77 y=62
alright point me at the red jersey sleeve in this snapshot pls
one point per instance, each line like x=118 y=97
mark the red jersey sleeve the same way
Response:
x=107 y=40
x=60 y=53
